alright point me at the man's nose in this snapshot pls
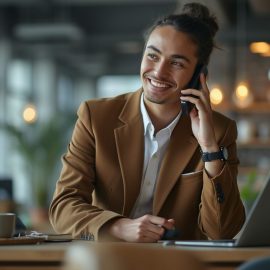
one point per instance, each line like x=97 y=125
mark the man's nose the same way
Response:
x=161 y=69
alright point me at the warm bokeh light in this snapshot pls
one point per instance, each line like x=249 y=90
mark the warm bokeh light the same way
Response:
x=216 y=96
x=241 y=91
x=259 y=47
x=30 y=114
x=242 y=95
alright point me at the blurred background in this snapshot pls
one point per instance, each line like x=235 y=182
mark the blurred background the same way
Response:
x=54 y=54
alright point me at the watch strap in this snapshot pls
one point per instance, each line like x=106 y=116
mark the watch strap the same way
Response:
x=211 y=156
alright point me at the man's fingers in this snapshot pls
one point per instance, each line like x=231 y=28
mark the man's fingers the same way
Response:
x=154 y=219
x=203 y=82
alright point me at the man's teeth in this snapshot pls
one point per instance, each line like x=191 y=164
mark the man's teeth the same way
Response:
x=157 y=84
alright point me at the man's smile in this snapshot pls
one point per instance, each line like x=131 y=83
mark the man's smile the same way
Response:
x=158 y=84
x=162 y=85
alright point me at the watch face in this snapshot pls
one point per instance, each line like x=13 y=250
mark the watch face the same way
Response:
x=225 y=153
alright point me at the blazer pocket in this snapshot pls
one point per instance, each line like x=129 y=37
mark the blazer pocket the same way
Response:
x=191 y=177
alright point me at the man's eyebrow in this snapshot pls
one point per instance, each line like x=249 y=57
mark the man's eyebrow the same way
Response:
x=154 y=48
x=174 y=56
x=179 y=56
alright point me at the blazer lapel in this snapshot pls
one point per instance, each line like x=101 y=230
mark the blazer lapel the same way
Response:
x=130 y=148
x=180 y=149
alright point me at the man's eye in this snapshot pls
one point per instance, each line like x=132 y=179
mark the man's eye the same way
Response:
x=177 y=64
x=152 y=56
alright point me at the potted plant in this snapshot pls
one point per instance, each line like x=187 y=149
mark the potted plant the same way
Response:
x=249 y=190
x=41 y=146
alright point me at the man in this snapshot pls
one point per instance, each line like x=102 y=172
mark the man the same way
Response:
x=137 y=166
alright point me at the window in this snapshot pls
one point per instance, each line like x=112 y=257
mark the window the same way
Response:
x=109 y=86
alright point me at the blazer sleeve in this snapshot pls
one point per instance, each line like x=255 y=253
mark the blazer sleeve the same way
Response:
x=72 y=210
x=222 y=213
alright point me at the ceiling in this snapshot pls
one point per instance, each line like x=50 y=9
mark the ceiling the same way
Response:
x=96 y=37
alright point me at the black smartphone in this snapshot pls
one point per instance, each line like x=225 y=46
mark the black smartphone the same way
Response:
x=194 y=84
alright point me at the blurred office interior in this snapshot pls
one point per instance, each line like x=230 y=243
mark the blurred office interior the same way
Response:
x=54 y=54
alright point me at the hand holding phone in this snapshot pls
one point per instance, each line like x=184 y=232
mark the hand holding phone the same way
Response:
x=170 y=234
x=194 y=84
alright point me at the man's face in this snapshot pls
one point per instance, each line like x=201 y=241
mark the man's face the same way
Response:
x=168 y=63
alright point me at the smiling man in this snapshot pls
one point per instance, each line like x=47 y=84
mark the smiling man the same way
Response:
x=137 y=167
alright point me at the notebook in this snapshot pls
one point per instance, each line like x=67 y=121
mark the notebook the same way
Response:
x=255 y=231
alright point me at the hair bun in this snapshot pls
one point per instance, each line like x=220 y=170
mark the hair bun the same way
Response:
x=202 y=13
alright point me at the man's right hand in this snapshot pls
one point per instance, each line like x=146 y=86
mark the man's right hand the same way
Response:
x=145 y=229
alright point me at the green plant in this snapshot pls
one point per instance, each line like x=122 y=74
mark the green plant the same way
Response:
x=41 y=146
x=249 y=191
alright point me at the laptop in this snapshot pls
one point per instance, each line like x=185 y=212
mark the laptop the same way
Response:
x=255 y=231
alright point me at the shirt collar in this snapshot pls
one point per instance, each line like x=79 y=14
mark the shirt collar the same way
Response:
x=147 y=123
x=146 y=119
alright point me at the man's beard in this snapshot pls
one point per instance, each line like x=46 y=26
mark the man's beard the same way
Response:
x=154 y=100
x=166 y=100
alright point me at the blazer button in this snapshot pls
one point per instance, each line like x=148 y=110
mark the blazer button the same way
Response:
x=220 y=197
x=220 y=193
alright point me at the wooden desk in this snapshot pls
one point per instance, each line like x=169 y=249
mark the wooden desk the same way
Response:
x=50 y=256
x=47 y=256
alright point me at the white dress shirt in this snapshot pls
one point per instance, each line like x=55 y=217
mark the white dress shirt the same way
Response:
x=154 y=151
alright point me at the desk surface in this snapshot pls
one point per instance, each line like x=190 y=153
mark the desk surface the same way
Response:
x=52 y=255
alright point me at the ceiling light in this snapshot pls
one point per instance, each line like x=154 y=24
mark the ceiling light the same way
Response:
x=48 y=31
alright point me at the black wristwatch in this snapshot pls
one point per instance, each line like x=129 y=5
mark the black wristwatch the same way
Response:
x=222 y=154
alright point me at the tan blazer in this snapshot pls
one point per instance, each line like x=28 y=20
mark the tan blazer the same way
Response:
x=102 y=173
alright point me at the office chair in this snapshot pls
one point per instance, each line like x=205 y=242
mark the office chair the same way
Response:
x=256 y=264
x=128 y=256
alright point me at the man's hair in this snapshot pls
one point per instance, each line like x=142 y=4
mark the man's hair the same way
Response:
x=198 y=23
